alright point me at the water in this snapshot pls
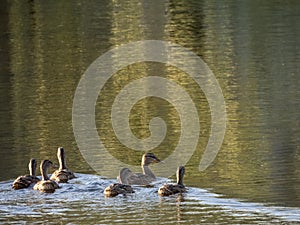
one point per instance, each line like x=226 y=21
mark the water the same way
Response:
x=252 y=48
x=81 y=201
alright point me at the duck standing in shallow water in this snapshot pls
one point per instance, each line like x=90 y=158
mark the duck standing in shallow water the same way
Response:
x=145 y=178
x=46 y=185
x=26 y=180
x=170 y=189
x=63 y=174
x=116 y=189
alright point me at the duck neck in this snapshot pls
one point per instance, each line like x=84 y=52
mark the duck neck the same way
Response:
x=180 y=179
x=44 y=172
x=32 y=169
x=147 y=171
x=62 y=161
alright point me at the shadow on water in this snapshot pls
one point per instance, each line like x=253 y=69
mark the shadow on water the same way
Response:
x=81 y=201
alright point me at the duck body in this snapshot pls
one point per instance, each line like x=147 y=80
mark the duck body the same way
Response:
x=116 y=189
x=26 y=180
x=46 y=185
x=126 y=176
x=63 y=174
x=170 y=189
x=131 y=178
x=22 y=182
x=60 y=176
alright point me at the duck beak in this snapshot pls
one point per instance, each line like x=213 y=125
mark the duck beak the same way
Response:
x=156 y=160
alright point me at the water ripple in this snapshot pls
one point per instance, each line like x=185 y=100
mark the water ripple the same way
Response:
x=82 y=201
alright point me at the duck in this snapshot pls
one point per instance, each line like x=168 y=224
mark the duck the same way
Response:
x=26 y=180
x=63 y=174
x=45 y=185
x=116 y=189
x=170 y=189
x=145 y=178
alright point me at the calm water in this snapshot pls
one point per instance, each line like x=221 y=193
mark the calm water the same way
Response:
x=252 y=47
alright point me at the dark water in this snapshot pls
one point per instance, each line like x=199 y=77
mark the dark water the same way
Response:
x=252 y=47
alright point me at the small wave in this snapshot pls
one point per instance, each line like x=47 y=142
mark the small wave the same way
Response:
x=82 y=201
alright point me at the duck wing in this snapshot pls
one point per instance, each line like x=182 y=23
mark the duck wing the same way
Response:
x=47 y=186
x=128 y=177
x=24 y=181
x=116 y=189
x=60 y=176
x=170 y=189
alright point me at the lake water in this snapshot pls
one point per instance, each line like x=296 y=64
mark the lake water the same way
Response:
x=81 y=201
x=253 y=50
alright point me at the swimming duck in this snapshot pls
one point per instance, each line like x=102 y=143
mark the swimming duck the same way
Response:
x=46 y=185
x=26 y=180
x=63 y=174
x=170 y=189
x=145 y=178
x=116 y=189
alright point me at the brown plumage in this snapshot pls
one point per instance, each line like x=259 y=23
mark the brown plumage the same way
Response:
x=46 y=185
x=26 y=180
x=116 y=189
x=170 y=189
x=63 y=174
x=145 y=178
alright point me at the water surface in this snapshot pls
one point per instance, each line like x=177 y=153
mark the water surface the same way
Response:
x=81 y=201
x=252 y=47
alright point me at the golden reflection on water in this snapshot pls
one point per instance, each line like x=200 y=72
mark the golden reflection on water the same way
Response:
x=42 y=96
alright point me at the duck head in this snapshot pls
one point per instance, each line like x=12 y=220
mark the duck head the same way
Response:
x=149 y=158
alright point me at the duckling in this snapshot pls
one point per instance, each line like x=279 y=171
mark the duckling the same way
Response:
x=46 y=185
x=63 y=174
x=26 y=180
x=145 y=178
x=116 y=189
x=170 y=189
